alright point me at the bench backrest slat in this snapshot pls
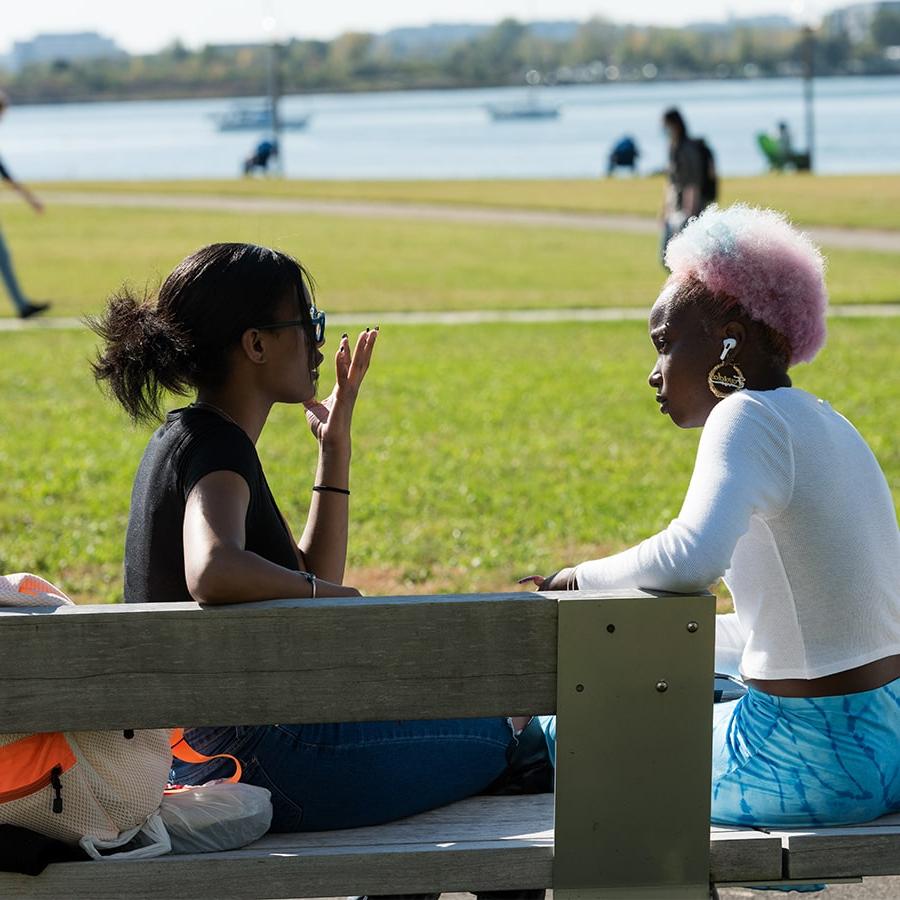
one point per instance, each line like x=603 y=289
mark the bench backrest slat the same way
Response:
x=153 y=665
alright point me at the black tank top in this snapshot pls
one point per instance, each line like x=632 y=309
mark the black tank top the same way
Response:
x=190 y=444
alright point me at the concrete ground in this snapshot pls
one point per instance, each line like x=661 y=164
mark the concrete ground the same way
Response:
x=868 y=889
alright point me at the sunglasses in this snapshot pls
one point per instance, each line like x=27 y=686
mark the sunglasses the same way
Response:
x=316 y=324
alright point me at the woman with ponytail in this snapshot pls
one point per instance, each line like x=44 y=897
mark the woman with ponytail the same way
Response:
x=237 y=325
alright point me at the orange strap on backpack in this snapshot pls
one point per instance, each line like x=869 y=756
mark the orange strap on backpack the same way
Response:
x=182 y=750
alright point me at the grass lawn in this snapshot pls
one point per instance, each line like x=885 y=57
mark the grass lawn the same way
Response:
x=853 y=201
x=76 y=256
x=481 y=453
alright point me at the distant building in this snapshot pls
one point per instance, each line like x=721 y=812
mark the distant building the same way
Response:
x=426 y=40
x=49 y=48
x=760 y=23
x=234 y=48
x=855 y=22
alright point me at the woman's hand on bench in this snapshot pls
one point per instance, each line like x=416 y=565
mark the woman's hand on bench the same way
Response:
x=327 y=589
x=563 y=580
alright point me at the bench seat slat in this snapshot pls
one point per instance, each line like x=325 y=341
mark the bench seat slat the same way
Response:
x=251 y=875
x=737 y=855
x=518 y=818
x=482 y=843
x=868 y=849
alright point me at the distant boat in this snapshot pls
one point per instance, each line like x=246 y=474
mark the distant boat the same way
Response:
x=244 y=117
x=530 y=108
x=505 y=112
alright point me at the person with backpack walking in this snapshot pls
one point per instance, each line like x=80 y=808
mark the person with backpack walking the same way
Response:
x=692 y=183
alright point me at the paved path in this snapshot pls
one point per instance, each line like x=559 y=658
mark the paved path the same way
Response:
x=473 y=317
x=856 y=239
x=868 y=889
x=887 y=888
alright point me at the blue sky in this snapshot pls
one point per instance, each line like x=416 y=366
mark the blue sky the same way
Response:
x=147 y=26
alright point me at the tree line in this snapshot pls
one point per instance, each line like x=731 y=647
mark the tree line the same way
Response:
x=597 y=51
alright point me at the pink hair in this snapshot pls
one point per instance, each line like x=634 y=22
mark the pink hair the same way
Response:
x=755 y=258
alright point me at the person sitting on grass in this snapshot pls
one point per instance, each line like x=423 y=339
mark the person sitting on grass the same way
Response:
x=624 y=153
x=789 y=505
x=238 y=324
x=261 y=156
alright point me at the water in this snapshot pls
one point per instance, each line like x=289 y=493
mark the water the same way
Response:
x=448 y=134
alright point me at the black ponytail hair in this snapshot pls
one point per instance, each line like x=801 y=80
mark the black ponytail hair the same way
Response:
x=673 y=118
x=183 y=339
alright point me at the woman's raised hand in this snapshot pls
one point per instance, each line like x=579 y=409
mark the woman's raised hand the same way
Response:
x=329 y=419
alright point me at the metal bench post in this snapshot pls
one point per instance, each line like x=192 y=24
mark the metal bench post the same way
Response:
x=634 y=723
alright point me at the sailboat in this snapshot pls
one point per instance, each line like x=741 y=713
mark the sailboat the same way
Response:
x=531 y=108
x=255 y=116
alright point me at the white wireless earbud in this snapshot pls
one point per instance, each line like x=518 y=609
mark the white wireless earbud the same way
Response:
x=728 y=345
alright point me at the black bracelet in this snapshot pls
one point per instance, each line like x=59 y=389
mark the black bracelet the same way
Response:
x=327 y=488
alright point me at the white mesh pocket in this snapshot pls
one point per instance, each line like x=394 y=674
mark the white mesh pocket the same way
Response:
x=126 y=775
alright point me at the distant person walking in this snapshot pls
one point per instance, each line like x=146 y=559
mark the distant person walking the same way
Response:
x=692 y=184
x=24 y=307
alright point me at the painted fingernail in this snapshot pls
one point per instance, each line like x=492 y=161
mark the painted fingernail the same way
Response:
x=344 y=335
x=377 y=327
x=367 y=331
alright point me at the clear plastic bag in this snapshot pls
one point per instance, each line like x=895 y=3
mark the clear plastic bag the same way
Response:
x=143 y=842
x=216 y=816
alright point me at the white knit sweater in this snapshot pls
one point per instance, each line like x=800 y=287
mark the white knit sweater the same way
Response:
x=788 y=503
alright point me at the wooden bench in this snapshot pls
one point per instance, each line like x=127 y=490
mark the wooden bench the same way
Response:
x=628 y=674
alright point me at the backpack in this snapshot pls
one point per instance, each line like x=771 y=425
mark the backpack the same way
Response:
x=709 y=180
x=101 y=787
x=98 y=789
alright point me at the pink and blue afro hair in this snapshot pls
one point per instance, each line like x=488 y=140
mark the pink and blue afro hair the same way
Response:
x=756 y=259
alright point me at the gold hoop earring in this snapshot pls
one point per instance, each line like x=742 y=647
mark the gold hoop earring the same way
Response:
x=717 y=380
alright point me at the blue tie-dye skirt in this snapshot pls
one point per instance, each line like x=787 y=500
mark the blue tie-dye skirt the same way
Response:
x=795 y=761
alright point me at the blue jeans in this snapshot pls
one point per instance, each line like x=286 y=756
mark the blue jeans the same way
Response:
x=355 y=774
x=9 y=277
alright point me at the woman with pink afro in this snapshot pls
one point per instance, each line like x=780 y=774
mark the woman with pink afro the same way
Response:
x=788 y=504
